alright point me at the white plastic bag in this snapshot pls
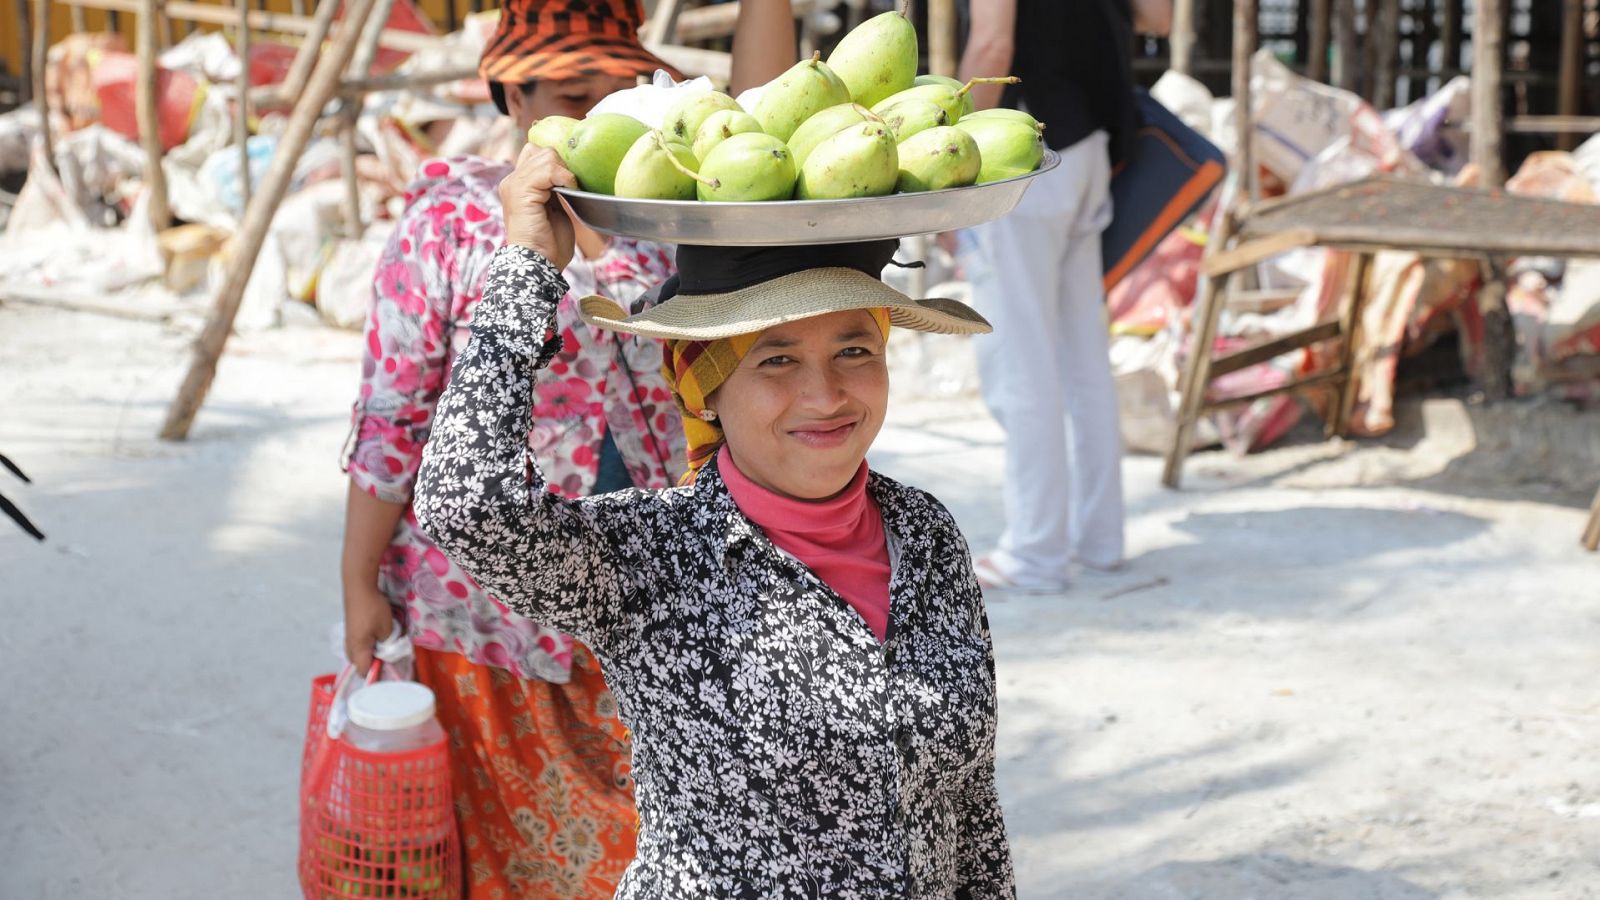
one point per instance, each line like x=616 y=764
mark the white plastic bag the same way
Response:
x=650 y=103
x=394 y=660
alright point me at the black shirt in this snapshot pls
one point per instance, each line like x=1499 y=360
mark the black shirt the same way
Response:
x=1075 y=59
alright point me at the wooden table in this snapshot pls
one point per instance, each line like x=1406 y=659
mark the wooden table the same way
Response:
x=1379 y=213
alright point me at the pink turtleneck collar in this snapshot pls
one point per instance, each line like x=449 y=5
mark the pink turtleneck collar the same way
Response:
x=841 y=539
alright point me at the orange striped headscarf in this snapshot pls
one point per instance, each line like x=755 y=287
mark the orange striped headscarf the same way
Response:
x=695 y=369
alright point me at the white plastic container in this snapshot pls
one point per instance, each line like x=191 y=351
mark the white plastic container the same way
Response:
x=392 y=717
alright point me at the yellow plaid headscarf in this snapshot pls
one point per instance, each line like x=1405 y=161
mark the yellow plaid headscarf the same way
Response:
x=695 y=369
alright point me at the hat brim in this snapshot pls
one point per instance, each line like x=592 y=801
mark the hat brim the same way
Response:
x=790 y=298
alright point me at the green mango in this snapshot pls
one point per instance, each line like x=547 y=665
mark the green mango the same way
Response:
x=822 y=126
x=552 y=132
x=657 y=168
x=596 y=148
x=939 y=158
x=1009 y=148
x=1002 y=112
x=952 y=83
x=911 y=115
x=877 y=58
x=719 y=126
x=686 y=116
x=947 y=94
x=809 y=87
x=751 y=166
x=859 y=161
x=948 y=99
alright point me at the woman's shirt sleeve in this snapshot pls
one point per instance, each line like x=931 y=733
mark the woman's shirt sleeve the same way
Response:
x=404 y=362
x=480 y=494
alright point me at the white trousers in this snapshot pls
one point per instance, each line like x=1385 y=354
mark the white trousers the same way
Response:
x=1046 y=371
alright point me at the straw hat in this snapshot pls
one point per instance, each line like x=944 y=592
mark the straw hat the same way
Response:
x=555 y=40
x=720 y=292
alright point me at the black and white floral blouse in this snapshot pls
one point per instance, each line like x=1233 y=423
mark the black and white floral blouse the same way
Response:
x=779 y=749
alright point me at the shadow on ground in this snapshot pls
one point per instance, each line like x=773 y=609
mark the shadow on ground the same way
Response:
x=1266 y=876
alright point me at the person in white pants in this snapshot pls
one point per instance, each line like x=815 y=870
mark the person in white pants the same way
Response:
x=1036 y=275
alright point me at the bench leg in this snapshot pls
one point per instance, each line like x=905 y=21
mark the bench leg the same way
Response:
x=1344 y=401
x=1197 y=373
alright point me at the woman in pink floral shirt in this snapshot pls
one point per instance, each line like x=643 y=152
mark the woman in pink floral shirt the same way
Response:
x=541 y=768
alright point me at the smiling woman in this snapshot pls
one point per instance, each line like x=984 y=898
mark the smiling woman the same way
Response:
x=797 y=644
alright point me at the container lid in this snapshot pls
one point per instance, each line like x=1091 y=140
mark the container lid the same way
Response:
x=391 y=705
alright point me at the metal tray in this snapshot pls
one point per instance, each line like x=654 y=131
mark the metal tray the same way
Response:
x=780 y=222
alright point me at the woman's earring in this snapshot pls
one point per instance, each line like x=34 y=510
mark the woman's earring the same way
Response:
x=707 y=415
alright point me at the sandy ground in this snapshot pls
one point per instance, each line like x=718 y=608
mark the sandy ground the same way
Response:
x=1329 y=673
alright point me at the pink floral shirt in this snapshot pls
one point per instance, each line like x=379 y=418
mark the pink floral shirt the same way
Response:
x=427 y=285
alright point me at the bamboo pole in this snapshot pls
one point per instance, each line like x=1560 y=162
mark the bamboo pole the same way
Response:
x=942 y=37
x=1488 y=43
x=1181 y=41
x=294 y=83
x=260 y=20
x=253 y=230
x=1568 y=96
x=241 y=122
x=147 y=111
x=350 y=114
x=1321 y=26
x=1244 y=47
x=41 y=60
x=1347 y=62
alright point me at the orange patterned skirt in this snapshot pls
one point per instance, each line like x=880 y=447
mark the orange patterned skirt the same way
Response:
x=543 y=778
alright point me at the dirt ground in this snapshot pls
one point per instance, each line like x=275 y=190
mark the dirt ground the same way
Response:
x=1330 y=672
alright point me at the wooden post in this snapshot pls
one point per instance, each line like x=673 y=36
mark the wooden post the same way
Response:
x=1386 y=38
x=1488 y=45
x=155 y=180
x=1181 y=41
x=25 y=46
x=1591 y=533
x=1499 y=338
x=1321 y=25
x=942 y=37
x=1450 y=39
x=80 y=24
x=241 y=122
x=350 y=113
x=40 y=62
x=1568 y=97
x=1244 y=47
x=1347 y=60
x=253 y=230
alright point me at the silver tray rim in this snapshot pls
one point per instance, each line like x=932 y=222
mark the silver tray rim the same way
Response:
x=797 y=211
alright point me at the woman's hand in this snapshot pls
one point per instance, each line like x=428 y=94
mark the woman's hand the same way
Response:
x=534 y=216
x=367 y=621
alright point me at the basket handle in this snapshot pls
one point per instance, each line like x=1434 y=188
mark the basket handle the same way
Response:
x=335 y=723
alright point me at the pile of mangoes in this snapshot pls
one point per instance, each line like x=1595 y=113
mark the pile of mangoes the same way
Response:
x=862 y=124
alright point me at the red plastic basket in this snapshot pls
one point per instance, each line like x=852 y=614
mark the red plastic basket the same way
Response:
x=374 y=824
